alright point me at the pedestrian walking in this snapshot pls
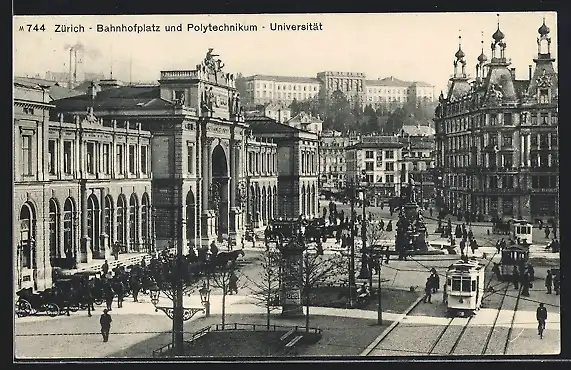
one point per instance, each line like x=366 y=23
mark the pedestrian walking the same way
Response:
x=525 y=283
x=462 y=246
x=88 y=297
x=547 y=232
x=233 y=283
x=109 y=295
x=548 y=281
x=119 y=290
x=135 y=287
x=556 y=282
x=390 y=226
x=382 y=225
x=430 y=210
x=428 y=291
x=541 y=316
x=515 y=277
x=435 y=281
x=105 y=268
x=531 y=271
x=105 y=322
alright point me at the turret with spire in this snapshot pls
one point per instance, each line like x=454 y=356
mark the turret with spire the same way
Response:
x=498 y=43
x=544 y=79
x=460 y=59
x=482 y=59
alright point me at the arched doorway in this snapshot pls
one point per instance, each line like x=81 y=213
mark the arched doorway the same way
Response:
x=190 y=217
x=69 y=240
x=26 y=250
x=54 y=231
x=303 y=199
x=146 y=222
x=122 y=222
x=134 y=223
x=219 y=189
x=264 y=206
x=108 y=217
x=93 y=225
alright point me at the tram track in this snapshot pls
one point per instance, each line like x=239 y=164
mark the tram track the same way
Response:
x=489 y=336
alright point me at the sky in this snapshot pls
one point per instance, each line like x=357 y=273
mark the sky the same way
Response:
x=408 y=46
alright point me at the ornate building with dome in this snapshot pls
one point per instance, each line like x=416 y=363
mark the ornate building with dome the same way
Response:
x=497 y=137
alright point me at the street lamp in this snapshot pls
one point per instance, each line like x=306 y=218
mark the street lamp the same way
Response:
x=364 y=273
x=205 y=295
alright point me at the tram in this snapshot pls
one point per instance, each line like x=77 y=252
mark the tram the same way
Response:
x=464 y=287
x=521 y=231
x=513 y=255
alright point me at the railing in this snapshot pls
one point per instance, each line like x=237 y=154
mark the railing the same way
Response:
x=166 y=349
x=173 y=75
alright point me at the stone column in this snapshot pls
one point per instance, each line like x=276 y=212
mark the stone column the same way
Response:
x=85 y=246
x=527 y=150
x=104 y=238
x=183 y=228
x=207 y=218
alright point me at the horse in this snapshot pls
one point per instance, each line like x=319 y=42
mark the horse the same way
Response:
x=222 y=258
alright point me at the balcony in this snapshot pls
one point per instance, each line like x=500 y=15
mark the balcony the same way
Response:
x=179 y=75
x=544 y=190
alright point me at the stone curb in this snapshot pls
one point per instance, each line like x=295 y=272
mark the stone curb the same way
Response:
x=386 y=332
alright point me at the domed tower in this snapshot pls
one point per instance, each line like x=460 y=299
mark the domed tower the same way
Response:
x=498 y=44
x=482 y=59
x=460 y=60
x=544 y=81
x=544 y=40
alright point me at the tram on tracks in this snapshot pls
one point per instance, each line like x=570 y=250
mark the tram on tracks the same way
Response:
x=513 y=255
x=521 y=231
x=464 y=287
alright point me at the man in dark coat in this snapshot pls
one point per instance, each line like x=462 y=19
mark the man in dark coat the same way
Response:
x=105 y=268
x=119 y=290
x=88 y=296
x=135 y=286
x=525 y=284
x=105 y=322
x=548 y=281
x=233 y=283
x=428 y=291
x=109 y=294
x=515 y=277
x=541 y=316
x=556 y=283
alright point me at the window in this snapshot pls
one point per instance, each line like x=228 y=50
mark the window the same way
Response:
x=544 y=118
x=52 y=157
x=543 y=96
x=90 y=158
x=368 y=166
x=68 y=239
x=389 y=166
x=508 y=160
x=554 y=141
x=456 y=284
x=106 y=159
x=119 y=159
x=465 y=285
x=67 y=157
x=508 y=120
x=370 y=179
x=507 y=140
x=54 y=229
x=533 y=140
x=493 y=119
x=27 y=155
x=389 y=154
x=493 y=140
x=390 y=178
x=144 y=159
x=131 y=159
x=179 y=95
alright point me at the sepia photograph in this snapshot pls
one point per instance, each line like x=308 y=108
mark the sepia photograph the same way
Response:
x=265 y=187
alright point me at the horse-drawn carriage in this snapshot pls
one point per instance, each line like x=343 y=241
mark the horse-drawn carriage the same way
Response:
x=30 y=303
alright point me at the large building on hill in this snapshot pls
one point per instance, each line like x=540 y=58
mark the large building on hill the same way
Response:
x=389 y=91
x=497 y=138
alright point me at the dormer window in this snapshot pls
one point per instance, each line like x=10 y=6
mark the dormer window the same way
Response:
x=543 y=96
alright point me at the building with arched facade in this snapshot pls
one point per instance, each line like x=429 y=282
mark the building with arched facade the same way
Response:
x=141 y=168
x=496 y=136
x=297 y=166
x=80 y=185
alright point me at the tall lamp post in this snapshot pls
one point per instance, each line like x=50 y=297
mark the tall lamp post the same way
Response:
x=364 y=273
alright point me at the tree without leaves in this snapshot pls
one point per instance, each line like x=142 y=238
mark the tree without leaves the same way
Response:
x=189 y=276
x=320 y=269
x=220 y=278
x=267 y=289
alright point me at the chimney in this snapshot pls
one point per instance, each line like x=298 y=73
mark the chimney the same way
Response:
x=512 y=70
x=530 y=72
